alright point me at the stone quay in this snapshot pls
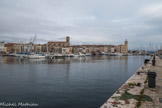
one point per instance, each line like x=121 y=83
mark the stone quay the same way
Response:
x=142 y=89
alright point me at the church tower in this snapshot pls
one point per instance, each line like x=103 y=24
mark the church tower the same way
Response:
x=126 y=44
x=68 y=39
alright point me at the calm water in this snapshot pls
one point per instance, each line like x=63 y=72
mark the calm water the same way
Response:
x=65 y=83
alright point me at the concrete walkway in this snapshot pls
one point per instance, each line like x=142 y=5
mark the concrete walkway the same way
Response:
x=115 y=101
x=155 y=93
x=158 y=69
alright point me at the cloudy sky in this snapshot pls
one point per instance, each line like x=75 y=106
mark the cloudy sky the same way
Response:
x=85 y=21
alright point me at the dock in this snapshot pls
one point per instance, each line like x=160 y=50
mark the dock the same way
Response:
x=135 y=93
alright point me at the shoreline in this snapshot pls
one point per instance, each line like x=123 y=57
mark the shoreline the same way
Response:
x=132 y=87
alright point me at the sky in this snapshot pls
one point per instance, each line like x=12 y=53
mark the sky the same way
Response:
x=85 y=21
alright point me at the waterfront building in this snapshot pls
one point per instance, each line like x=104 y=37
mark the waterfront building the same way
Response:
x=95 y=49
x=76 y=49
x=17 y=48
x=13 y=48
x=126 y=45
x=117 y=49
x=56 y=46
x=44 y=48
x=159 y=52
x=79 y=49
x=90 y=48
x=122 y=48
x=109 y=49
x=28 y=48
x=66 y=50
x=63 y=47
x=82 y=48
x=101 y=48
x=5 y=48
x=38 y=48
x=10 y=47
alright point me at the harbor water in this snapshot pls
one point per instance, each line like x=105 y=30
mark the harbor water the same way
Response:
x=85 y=82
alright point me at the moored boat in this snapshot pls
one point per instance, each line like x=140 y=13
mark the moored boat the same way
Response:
x=69 y=55
x=87 y=54
x=81 y=55
x=36 y=56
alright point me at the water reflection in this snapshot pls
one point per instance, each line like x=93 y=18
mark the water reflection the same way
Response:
x=71 y=82
x=13 y=60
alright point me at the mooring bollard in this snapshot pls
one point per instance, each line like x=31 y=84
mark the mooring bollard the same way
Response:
x=154 y=57
x=153 y=62
x=146 y=61
x=151 y=79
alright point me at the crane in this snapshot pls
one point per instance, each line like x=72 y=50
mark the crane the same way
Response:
x=32 y=40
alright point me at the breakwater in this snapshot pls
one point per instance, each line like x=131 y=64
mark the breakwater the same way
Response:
x=135 y=92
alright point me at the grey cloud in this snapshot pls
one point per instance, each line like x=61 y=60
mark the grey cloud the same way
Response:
x=92 y=21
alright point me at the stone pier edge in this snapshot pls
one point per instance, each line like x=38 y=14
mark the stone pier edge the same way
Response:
x=135 y=78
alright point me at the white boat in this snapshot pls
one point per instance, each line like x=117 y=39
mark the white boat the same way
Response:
x=116 y=54
x=76 y=55
x=33 y=56
x=103 y=53
x=21 y=56
x=11 y=54
x=59 y=56
x=25 y=56
x=81 y=55
x=87 y=54
x=41 y=57
x=16 y=55
x=36 y=56
x=69 y=55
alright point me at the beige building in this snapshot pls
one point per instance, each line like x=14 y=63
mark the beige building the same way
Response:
x=122 y=48
x=44 y=48
x=109 y=48
x=67 y=50
x=63 y=47
x=38 y=48
x=56 y=46
x=159 y=52
x=5 y=48
x=13 y=48
x=28 y=48
x=10 y=47
x=18 y=48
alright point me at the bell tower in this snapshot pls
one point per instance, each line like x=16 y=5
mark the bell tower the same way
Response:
x=126 y=44
x=68 y=39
